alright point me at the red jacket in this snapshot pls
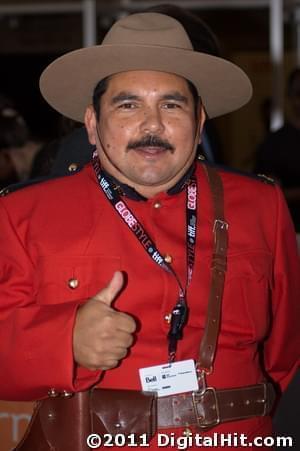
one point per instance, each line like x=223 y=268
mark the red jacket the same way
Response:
x=66 y=229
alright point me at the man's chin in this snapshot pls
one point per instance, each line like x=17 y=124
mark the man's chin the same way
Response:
x=152 y=180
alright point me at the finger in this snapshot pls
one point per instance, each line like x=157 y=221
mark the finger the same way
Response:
x=109 y=365
x=125 y=323
x=109 y=293
x=121 y=339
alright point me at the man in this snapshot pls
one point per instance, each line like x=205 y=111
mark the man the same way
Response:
x=279 y=156
x=121 y=267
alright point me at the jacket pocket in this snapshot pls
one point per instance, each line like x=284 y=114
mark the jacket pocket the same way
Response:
x=74 y=278
x=246 y=303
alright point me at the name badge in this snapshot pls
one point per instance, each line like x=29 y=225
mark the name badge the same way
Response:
x=170 y=379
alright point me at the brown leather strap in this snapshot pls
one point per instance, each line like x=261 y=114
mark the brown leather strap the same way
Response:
x=218 y=266
x=206 y=410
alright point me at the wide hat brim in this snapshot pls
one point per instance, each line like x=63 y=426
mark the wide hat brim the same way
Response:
x=68 y=83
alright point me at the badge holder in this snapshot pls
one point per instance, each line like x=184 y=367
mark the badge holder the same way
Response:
x=204 y=398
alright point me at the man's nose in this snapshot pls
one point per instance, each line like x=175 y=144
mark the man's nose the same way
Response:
x=152 y=121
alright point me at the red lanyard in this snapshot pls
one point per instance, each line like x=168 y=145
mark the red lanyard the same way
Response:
x=180 y=310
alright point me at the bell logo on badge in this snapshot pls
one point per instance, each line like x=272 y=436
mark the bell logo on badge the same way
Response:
x=170 y=379
x=151 y=379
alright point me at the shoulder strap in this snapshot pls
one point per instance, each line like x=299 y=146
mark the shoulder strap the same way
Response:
x=218 y=266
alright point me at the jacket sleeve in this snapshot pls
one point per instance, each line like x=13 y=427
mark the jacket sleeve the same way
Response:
x=35 y=340
x=282 y=348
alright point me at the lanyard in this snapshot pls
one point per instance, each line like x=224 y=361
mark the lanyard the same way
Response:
x=180 y=310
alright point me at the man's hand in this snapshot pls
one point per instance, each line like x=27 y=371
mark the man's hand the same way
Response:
x=101 y=334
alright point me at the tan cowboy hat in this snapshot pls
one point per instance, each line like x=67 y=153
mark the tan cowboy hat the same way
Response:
x=144 y=41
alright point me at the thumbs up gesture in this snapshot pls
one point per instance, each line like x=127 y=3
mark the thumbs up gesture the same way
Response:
x=101 y=334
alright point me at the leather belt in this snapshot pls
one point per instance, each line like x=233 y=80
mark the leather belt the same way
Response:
x=211 y=407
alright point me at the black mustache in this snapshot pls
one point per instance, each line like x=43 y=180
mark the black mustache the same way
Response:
x=150 y=141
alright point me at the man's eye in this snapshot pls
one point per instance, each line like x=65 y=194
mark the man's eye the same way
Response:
x=127 y=106
x=171 y=105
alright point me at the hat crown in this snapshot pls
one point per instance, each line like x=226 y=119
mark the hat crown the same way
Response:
x=143 y=42
x=151 y=29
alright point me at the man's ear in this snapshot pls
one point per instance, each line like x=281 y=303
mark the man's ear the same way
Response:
x=90 y=124
x=202 y=118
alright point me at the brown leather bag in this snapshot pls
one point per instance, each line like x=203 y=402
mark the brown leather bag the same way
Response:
x=64 y=424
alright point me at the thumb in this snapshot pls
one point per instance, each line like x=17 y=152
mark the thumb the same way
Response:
x=111 y=290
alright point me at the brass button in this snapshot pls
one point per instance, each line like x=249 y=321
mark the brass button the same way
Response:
x=73 y=167
x=187 y=432
x=168 y=317
x=4 y=192
x=168 y=258
x=73 y=283
x=52 y=393
x=66 y=394
x=157 y=205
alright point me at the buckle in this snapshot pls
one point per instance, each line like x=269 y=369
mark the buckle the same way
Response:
x=209 y=415
x=220 y=223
